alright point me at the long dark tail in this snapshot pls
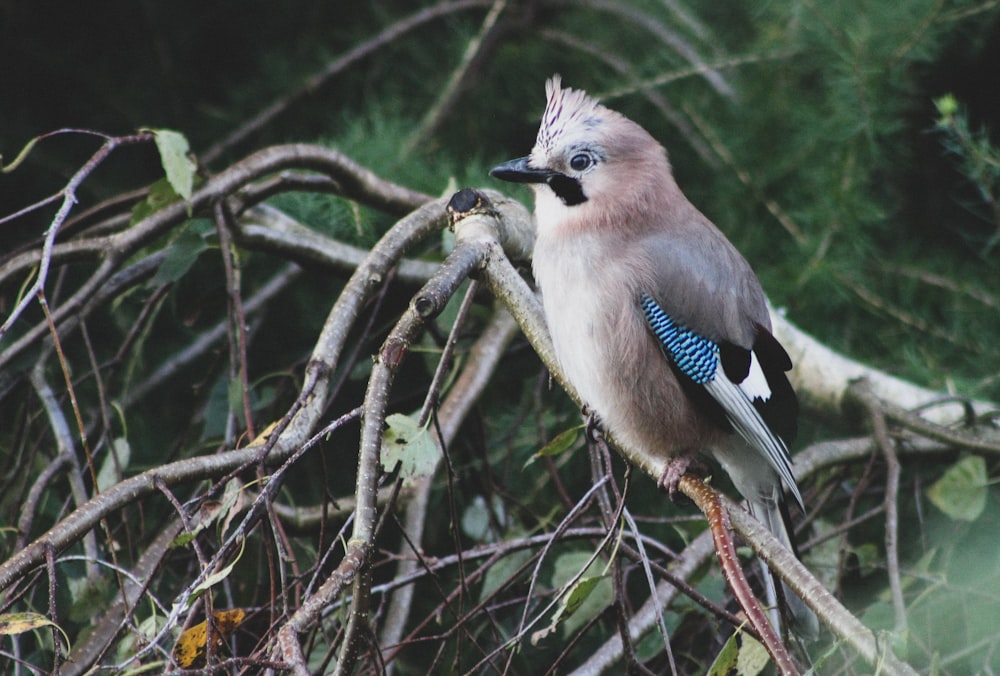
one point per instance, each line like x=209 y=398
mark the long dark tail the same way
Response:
x=774 y=516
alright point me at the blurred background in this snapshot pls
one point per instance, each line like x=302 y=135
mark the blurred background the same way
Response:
x=807 y=131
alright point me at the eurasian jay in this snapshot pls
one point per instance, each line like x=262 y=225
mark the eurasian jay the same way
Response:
x=656 y=318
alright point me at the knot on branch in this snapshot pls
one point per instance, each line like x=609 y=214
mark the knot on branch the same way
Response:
x=393 y=351
x=487 y=214
x=463 y=203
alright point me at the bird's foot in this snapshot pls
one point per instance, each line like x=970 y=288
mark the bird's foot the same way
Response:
x=593 y=427
x=677 y=467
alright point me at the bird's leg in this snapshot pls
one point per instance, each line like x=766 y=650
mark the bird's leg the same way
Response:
x=678 y=466
x=593 y=428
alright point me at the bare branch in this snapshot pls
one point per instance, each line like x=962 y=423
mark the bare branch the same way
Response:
x=709 y=501
x=69 y=199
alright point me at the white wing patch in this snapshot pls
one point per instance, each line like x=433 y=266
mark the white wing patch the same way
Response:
x=755 y=384
x=747 y=422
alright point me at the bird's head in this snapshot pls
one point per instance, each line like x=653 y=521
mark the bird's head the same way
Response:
x=584 y=153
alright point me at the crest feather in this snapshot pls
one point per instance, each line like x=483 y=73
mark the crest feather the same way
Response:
x=564 y=108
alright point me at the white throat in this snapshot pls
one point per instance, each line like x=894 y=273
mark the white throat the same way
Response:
x=550 y=212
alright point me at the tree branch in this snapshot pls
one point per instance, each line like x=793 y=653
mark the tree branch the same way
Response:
x=508 y=286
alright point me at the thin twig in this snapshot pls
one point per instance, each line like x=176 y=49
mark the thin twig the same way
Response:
x=524 y=625
x=69 y=199
x=238 y=367
x=670 y=38
x=480 y=364
x=431 y=299
x=118 y=612
x=446 y=98
x=654 y=596
x=312 y=84
x=780 y=215
x=50 y=566
x=63 y=435
x=708 y=502
x=627 y=72
x=874 y=651
x=891 y=501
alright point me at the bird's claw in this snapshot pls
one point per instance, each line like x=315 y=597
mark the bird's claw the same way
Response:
x=677 y=467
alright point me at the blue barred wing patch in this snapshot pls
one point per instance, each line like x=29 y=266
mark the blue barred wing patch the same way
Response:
x=696 y=356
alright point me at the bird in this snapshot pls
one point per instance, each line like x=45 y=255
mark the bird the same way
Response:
x=656 y=319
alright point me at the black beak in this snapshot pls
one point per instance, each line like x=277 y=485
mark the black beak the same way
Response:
x=518 y=171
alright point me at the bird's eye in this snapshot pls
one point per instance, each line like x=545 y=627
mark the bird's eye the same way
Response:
x=581 y=161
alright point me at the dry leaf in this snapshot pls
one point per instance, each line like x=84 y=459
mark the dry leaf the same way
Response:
x=189 y=652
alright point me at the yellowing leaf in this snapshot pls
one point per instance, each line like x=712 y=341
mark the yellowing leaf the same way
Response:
x=753 y=657
x=232 y=501
x=961 y=491
x=264 y=435
x=18 y=623
x=190 y=649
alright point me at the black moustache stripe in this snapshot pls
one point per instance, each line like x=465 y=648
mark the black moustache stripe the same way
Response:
x=567 y=189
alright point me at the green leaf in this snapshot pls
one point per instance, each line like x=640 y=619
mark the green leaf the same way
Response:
x=577 y=595
x=219 y=575
x=563 y=442
x=476 y=518
x=869 y=557
x=132 y=641
x=823 y=559
x=160 y=194
x=500 y=572
x=16 y=162
x=181 y=255
x=584 y=600
x=725 y=662
x=234 y=395
x=175 y=156
x=86 y=594
x=216 y=409
x=947 y=106
x=409 y=444
x=879 y=616
x=961 y=491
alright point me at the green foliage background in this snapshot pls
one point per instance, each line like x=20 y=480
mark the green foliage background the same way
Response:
x=831 y=118
x=870 y=214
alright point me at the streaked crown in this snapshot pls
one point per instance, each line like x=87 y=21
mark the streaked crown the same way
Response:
x=568 y=112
